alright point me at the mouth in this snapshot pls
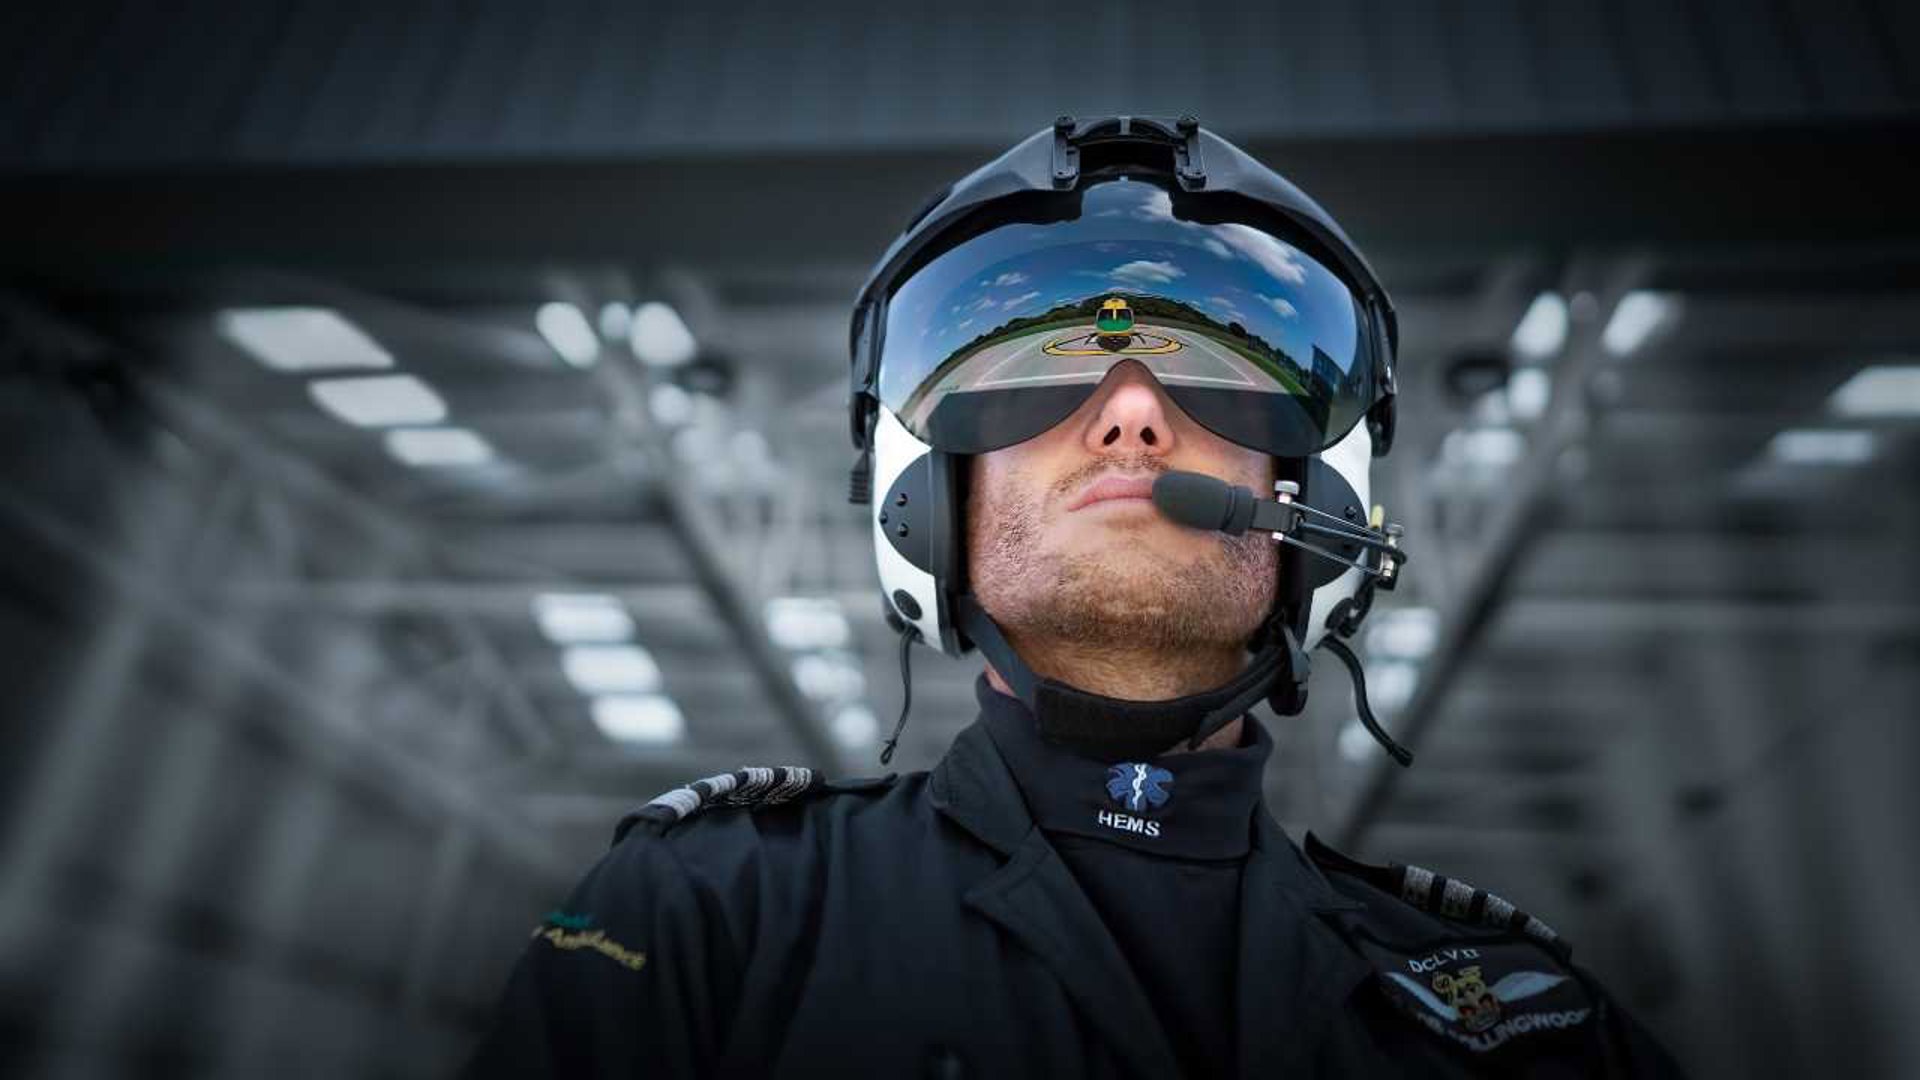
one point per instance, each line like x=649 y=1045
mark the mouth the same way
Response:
x=1113 y=488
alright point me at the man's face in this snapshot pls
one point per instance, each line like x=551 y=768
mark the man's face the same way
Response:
x=1064 y=542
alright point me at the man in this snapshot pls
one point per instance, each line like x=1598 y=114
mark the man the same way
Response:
x=1087 y=884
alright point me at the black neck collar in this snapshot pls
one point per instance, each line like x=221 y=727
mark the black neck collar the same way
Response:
x=1195 y=805
x=1115 y=728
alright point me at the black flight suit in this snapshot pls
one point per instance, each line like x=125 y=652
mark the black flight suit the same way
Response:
x=1024 y=911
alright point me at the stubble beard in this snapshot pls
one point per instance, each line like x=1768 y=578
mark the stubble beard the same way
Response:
x=1122 y=598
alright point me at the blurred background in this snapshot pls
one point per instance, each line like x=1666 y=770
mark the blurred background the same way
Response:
x=423 y=438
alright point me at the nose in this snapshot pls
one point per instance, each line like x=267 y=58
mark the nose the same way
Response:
x=1132 y=416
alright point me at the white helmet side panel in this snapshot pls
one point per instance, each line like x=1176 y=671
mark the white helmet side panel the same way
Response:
x=1351 y=457
x=894 y=450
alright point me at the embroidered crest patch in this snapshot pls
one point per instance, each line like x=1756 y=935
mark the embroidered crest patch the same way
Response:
x=1482 y=995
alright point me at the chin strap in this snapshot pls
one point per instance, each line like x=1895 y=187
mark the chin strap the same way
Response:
x=1277 y=672
x=986 y=635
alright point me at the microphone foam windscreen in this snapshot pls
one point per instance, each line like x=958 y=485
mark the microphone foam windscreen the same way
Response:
x=1203 y=502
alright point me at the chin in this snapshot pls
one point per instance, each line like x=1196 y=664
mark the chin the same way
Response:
x=1132 y=549
x=1131 y=530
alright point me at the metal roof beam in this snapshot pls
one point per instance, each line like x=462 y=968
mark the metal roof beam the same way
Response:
x=689 y=516
x=1513 y=528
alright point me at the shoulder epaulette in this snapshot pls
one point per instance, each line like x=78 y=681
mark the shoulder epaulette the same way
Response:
x=1437 y=894
x=755 y=786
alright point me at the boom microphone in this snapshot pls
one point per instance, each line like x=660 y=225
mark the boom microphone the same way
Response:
x=1199 y=501
x=1206 y=502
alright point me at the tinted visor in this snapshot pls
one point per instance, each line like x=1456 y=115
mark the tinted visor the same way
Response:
x=1004 y=335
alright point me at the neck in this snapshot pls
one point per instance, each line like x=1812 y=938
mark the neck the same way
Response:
x=1156 y=674
x=1139 y=685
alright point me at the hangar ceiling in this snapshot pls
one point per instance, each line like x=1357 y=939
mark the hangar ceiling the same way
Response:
x=1647 y=628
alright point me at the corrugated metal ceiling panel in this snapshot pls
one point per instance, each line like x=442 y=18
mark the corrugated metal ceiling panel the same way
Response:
x=93 y=84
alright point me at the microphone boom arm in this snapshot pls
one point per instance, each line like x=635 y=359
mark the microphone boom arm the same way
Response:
x=1204 y=502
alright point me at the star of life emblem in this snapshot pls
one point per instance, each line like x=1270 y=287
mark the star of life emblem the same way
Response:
x=1138 y=786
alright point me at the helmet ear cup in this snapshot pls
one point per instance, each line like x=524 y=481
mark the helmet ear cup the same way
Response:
x=905 y=513
x=902 y=465
x=1337 y=479
x=1328 y=492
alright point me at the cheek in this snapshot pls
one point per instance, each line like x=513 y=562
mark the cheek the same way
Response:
x=1006 y=478
x=1210 y=454
x=1259 y=471
x=983 y=479
x=993 y=494
x=1256 y=471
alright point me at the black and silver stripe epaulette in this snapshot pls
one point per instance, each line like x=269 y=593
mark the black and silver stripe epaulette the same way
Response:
x=753 y=786
x=1436 y=893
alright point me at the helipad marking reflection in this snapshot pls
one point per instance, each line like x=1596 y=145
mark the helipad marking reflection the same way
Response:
x=1139 y=344
x=1198 y=352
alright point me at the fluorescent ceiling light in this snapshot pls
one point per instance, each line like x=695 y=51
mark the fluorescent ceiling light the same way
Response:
x=1403 y=633
x=1880 y=390
x=379 y=400
x=1493 y=409
x=439 y=446
x=671 y=406
x=575 y=618
x=300 y=338
x=749 y=448
x=1543 y=329
x=855 y=727
x=1484 y=448
x=703 y=447
x=1821 y=446
x=806 y=622
x=1528 y=390
x=1390 y=685
x=566 y=329
x=616 y=321
x=1356 y=742
x=1634 y=319
x=639 y=718
x=610 y=669
x=658 y=336
x=829 y=676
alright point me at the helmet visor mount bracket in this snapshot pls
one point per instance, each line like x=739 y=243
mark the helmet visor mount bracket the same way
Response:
x=1136 y=137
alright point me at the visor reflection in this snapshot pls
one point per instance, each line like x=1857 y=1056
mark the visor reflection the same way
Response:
x=1248 y=334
